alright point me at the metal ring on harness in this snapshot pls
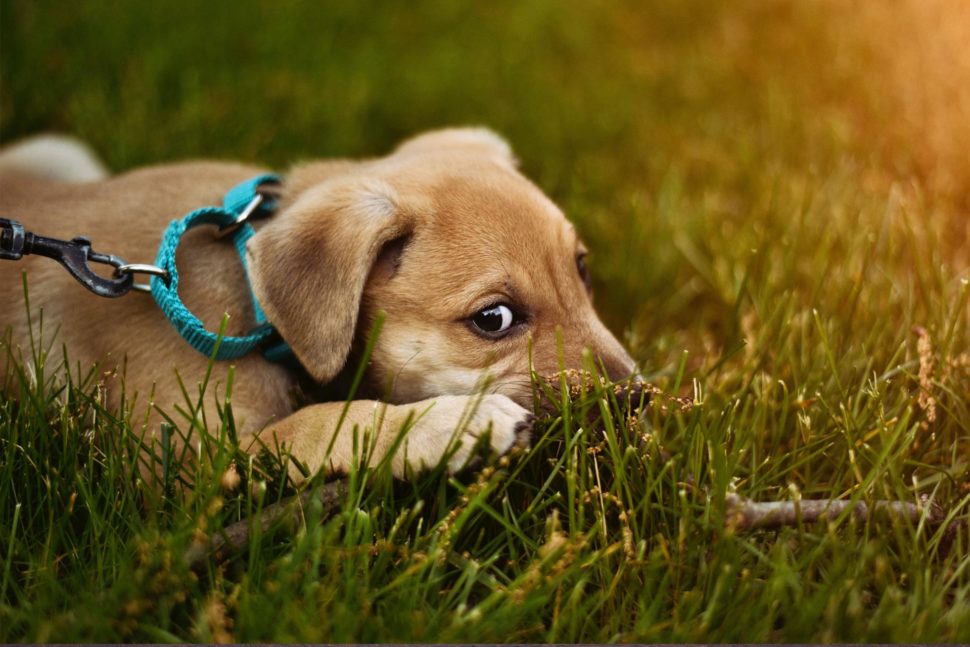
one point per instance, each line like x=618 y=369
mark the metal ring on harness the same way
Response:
x=142 y=268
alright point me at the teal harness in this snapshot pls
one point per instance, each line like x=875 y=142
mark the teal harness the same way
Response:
x=241 y=202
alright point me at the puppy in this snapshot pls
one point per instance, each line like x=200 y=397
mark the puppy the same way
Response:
x=479 y=276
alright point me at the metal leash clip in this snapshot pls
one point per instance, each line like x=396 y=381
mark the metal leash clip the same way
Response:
x=75 y=255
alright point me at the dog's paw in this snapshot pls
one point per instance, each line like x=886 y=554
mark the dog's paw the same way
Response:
x=454 y=425
x=506 y=423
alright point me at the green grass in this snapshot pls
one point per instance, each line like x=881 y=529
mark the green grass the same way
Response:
x=771 y=222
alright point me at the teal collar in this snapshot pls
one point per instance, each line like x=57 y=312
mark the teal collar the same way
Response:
x=241 y=202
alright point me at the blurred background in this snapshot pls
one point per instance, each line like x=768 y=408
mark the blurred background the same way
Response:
x=681 y=136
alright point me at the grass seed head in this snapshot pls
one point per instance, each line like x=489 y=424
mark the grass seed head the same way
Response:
x=230 y=478
x=924 y=349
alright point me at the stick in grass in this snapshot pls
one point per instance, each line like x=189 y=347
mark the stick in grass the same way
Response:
x=230 y=539
x=745 y=514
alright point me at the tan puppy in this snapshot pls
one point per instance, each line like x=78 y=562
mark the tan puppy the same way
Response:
x=477 y=271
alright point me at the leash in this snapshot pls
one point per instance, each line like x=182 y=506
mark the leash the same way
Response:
x=255 y=197
x=74 y=254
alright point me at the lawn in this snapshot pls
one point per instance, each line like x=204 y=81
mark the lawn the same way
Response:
x=777 y=200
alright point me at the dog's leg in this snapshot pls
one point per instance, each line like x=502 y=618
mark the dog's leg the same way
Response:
x=434 y=427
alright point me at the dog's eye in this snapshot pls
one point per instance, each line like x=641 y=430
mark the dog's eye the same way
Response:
x=494 y=320
x=584 y=272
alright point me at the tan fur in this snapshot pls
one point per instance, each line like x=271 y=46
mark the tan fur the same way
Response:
x=429 y=235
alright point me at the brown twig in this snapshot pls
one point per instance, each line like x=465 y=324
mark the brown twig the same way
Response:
x=230 y=539
x=745 y=514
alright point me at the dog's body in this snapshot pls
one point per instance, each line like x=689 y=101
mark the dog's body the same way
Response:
x=477 y=271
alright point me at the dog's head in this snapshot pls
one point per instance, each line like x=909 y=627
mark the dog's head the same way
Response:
x=478 y=272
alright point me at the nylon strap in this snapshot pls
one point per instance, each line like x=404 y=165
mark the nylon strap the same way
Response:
x=166 y=293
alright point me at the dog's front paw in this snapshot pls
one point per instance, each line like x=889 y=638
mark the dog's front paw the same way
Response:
x=453 y=425
x=507 y=424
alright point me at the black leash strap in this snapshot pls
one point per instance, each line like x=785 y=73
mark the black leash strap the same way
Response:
x=75 y=255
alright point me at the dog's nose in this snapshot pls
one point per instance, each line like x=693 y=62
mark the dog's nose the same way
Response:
x=618 y=365
x=620 y=370
x=610 y=354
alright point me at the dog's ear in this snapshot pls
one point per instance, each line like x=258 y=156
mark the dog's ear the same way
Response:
x=480 y=141
x=308 y=266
